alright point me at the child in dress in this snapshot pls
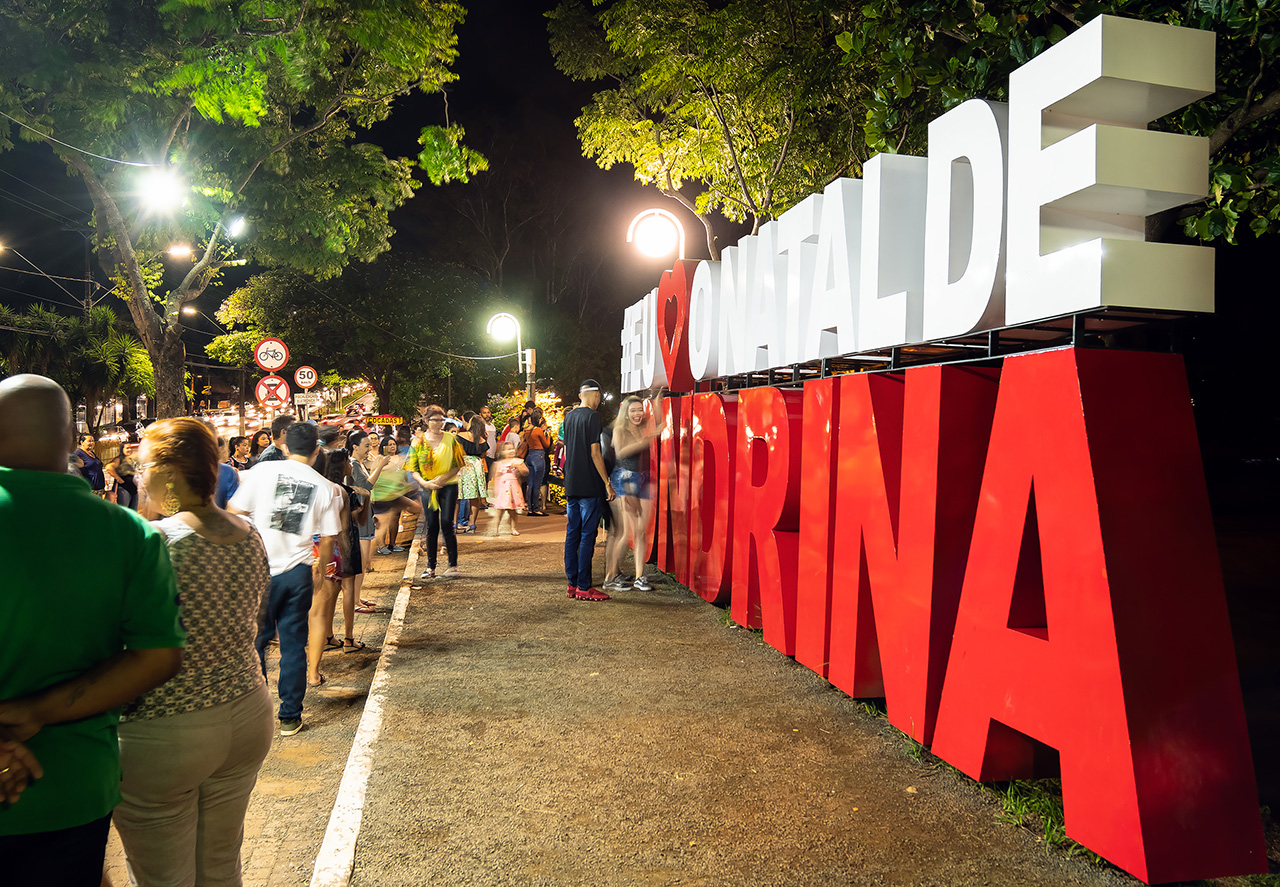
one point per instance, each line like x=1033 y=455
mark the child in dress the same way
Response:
x=505 y=487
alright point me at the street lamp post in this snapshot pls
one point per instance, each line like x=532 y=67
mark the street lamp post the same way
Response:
x=501 y=326
x=656 y=232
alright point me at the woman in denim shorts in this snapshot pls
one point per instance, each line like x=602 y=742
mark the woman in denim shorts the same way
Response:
x=637 y=425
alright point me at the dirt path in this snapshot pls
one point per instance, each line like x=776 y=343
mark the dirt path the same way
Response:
x=536 y=740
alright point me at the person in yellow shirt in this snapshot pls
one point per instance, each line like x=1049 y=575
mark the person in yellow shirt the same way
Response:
x=434 y=462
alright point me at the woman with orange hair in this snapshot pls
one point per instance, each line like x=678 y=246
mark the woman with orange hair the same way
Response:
x=190 y=749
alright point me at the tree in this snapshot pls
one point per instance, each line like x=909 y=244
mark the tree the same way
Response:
x=968 y=49
x=254 y=108
x=744 y=100
x=100 y=362
x=399 y=319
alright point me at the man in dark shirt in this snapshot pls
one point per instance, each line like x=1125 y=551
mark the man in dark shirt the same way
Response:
x=586 y=487
x=275 y=452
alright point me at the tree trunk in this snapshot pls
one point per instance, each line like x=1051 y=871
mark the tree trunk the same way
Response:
x=170 y=368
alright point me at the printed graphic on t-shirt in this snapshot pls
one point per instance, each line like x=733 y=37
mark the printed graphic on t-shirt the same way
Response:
x=292 y=502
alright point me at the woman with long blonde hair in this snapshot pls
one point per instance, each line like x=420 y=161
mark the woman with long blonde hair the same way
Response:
x=633 y=431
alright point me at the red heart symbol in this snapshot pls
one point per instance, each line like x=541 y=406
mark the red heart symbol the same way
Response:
x=672 y=320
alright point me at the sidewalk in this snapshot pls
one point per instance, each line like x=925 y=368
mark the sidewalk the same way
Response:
x=529 y=739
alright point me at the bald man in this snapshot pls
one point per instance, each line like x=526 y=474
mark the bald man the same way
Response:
x=63 y=675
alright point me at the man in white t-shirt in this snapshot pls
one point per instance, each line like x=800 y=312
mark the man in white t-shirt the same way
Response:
x=290 y=503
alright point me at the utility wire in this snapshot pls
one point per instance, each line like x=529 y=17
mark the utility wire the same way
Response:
x=41 y=298
x=42 y=191
x=41 y=270
x=50 y=138
x=51 y=276
x=345 y=308
x=50 y=214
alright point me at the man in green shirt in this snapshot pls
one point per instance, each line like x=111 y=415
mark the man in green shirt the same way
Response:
x=114 y=633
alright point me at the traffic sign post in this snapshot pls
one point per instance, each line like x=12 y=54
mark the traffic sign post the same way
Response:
x=271 y=355
x=272 y=392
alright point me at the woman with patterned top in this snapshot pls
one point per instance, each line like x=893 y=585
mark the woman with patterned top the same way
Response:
x=190 y=749
x=434 y=463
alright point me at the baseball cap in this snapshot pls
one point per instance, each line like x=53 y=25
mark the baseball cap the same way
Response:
x=588 y=385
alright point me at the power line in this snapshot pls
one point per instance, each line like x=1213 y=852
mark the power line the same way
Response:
x=78 y=209
x=41 y=270
x=50 y=276
x=51 y=215
x=41 y=298
x=50 y=138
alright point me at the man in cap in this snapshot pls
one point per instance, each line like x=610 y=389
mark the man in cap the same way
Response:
x=586 y=487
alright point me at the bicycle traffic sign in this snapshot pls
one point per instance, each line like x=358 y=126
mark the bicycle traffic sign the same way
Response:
x=272 y=392
x=271 y=354
x=306 y=377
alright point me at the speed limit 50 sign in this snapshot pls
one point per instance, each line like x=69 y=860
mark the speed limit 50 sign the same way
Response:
x=306 y=377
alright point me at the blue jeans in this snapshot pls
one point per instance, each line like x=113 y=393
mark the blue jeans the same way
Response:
x=580 y=539
x=288 y=604
x=537 y=462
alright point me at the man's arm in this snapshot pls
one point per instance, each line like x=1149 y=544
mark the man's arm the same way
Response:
x=113 y=682
x=598 y=459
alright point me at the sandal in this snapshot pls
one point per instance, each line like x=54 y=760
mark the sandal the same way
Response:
x=351 y=646
x=311 y=683
x=368 y=609
x=332 y=643
x=367 y=603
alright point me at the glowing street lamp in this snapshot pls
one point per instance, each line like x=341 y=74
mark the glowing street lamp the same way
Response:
x=657 y=232
x=502 y=326
x=162 y=190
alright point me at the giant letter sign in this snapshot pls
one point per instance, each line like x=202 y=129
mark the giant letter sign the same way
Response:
x=766 y=509
x=1093 y=619
x=713 y=445
x=1077 y=207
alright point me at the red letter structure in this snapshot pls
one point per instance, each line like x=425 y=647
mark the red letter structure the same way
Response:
x=672 y=547
x=908 y=473
x=673 y=321
x=713 y=442
x=766 y=514
x=817 y=504
x=1093 y=619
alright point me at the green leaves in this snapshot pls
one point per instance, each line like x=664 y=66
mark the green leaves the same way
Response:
x=445 y=159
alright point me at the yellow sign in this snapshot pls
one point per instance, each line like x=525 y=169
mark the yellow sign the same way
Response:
x=385 y=420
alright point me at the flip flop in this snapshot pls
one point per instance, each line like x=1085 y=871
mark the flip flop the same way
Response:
x=332 y=643
x=310 y=683
x=352 y=646
x=369 y=609
x=367 y=603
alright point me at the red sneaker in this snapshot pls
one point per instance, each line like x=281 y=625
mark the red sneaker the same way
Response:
x=573 y=592
x=591 y=594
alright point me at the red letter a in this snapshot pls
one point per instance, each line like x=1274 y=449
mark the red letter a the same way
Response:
x=1093 y=619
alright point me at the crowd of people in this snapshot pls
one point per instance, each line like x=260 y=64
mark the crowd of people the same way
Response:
x=147 y=701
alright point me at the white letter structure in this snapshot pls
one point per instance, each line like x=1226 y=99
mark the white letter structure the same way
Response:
x=964 y=221
x=1084 y=172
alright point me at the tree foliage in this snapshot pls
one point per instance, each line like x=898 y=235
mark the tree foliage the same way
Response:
x=397 y=320
x=967 y=50
x=757 y=104
x=744 y=100
x=256 y=107
x=90 y=355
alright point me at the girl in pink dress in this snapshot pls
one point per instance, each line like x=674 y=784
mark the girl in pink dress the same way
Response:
x=505 y=483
